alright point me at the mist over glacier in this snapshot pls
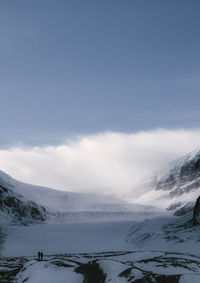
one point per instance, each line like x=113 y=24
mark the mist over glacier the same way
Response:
x=108 y=162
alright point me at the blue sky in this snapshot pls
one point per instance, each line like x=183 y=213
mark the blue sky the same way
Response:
x=83 y=67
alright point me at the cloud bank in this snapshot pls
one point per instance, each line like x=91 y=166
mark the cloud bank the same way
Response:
x=107 y=162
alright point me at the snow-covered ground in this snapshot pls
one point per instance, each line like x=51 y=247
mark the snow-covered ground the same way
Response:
x=171 y=234
x=44 y=271
x=159 y=249
x=114 y=267
x=66 y=238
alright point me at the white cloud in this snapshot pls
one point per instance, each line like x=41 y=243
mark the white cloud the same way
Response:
x=108 y=162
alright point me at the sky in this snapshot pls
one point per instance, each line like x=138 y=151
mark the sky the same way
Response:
x=71 y=69
x=79 y=67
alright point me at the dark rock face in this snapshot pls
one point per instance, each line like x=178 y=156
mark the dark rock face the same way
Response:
x=91 y=272
x=196 y=213
x=191 y=169
x=9 y=268
x=2 y=239
x=21 y=210
x=151 y=277
x=182 y=178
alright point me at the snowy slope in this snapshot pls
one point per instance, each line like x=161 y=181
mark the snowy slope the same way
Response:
x=63 y=206
x=54 y=200
x=15 y=209
x=177 y=232
x=176 y=188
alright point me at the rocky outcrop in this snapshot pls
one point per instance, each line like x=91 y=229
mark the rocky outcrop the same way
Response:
x=177 y=184
x=182 y=177
x=196 y=213
x=19 y=209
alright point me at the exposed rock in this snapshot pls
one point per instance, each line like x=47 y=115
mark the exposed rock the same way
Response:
x=2 y=239
x=21 y=210
x=196 y=213
x=91 y=272
x=185 y=172
x=177 y=184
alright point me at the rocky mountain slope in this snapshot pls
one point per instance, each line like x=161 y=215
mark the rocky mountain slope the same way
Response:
x=178 y=190
x=14 y=208
x=177 y=185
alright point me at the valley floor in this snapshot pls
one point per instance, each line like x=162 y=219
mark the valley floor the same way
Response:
x=162 y=249
x=66 y=238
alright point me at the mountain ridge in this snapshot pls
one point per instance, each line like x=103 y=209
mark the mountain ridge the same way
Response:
x=176 y=185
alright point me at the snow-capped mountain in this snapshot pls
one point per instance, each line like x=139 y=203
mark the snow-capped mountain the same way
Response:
x=27 y=203
x=177 y=185
x=178 y=189
x=54 y=200
x=171 y=188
